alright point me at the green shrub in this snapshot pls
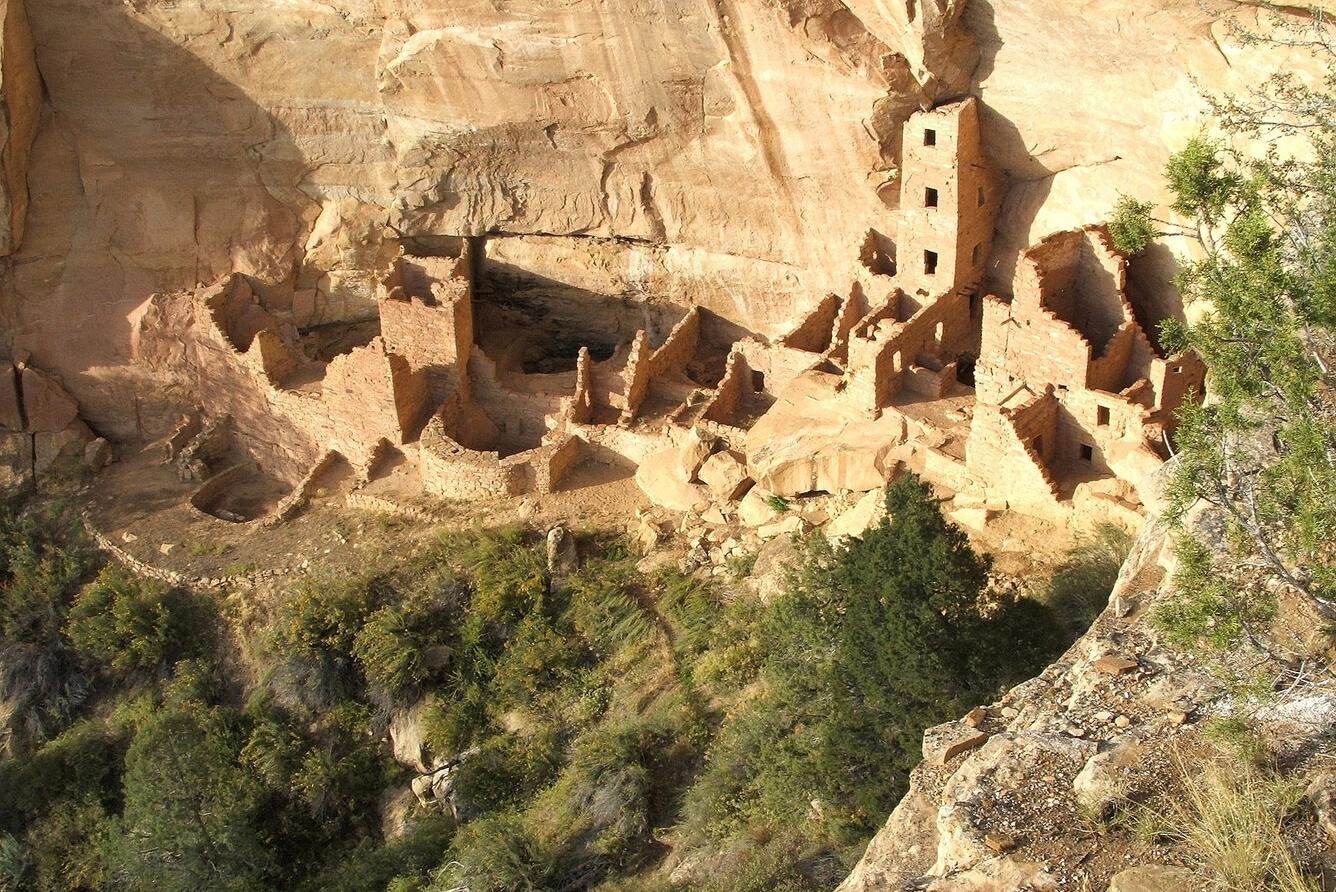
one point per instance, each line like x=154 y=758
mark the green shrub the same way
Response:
x=324 y=616
x=873 y=642
x=497 y=853
x=272 y=751
x=13 y=864
x=452 y=722
x=67 y=846
x=44 y=558
x=82 y=763
x=509 y=768
x=537 y=658
x=1208 y=610
x=693 y=609
x=313 y=637
x=1079 y=586
x=124 y=622
x=399 y=864
x=509 y=576
x=389 y=649
x=192 y=812
x=783 y=863
x=621 y=774
x=193 y=682
x=604 y=608
x=1131 y=226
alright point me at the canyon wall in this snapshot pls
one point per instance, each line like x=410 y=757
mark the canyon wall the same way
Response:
x=728 y=153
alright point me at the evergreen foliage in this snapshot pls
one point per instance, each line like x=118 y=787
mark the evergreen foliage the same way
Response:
x=191 y=810
x=1262 y=285
x=578 y=716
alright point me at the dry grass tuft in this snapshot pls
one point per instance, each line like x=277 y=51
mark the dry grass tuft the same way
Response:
x=1231 y=817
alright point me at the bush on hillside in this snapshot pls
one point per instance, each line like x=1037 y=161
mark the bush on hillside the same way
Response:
x=44 y=558
x=313 y=638
x=192 y=815
x=874 y=641
x=126 y=623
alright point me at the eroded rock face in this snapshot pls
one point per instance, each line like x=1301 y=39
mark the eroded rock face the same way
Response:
x=39 y=426
x=727 y=153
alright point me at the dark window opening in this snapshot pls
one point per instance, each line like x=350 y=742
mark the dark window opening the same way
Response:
x=983 y=197
x=1039 y=446
x=965 y=369
x=1087 y=452
x=1178 y=370
x=929 y=137
x=930 y=262
x=974 y=255
x=1102 y=416
x=930 y=198
x=758 y=382
x=976 y=305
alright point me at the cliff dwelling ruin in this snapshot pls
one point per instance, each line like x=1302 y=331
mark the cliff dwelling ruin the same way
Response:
x=472 y=381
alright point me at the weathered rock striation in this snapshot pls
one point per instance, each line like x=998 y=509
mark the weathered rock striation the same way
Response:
x=731 y=154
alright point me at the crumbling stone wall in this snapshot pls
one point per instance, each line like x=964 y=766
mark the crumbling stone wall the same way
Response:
x=779 y=365
x=679 y=348
x=732 y=391
x=426 y=316
x=1007 y=463
x=451 y=471
x=520 y=417
x=928 y=340
x=366 y=395
x=814 y=332
x=581 y=407
x=636 y=377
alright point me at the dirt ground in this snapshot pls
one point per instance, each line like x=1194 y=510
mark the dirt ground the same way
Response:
x=141 y=506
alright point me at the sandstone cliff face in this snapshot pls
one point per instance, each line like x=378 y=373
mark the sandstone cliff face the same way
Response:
x=21 y=89
x=731 y=153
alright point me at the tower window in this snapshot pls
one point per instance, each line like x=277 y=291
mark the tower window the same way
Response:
x=1102 y=416
x=974 y=255
x=930 y=198
x=930 y=262
x=983 y=197
x=1087 y=452
x=929 y=137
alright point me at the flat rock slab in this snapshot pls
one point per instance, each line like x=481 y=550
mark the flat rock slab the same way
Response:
x=944 y=742
x=1156 y=878
x=48 y=407
x=1113 y=664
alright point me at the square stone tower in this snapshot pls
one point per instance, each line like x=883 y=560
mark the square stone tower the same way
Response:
x=948 y=201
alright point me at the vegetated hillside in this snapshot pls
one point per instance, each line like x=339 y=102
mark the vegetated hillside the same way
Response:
x=599 y=726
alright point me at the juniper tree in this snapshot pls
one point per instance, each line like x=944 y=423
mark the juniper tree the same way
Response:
x=1261 y=286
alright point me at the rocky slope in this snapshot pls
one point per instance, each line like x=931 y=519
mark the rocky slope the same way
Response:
x=732 y=153
x=1041 y=790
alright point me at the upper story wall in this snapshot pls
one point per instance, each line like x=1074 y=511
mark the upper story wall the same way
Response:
x=948 y=200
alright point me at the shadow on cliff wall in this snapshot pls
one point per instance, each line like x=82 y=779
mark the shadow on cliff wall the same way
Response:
x=1026 y=180
x=1028 y=186
x=152 y=172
